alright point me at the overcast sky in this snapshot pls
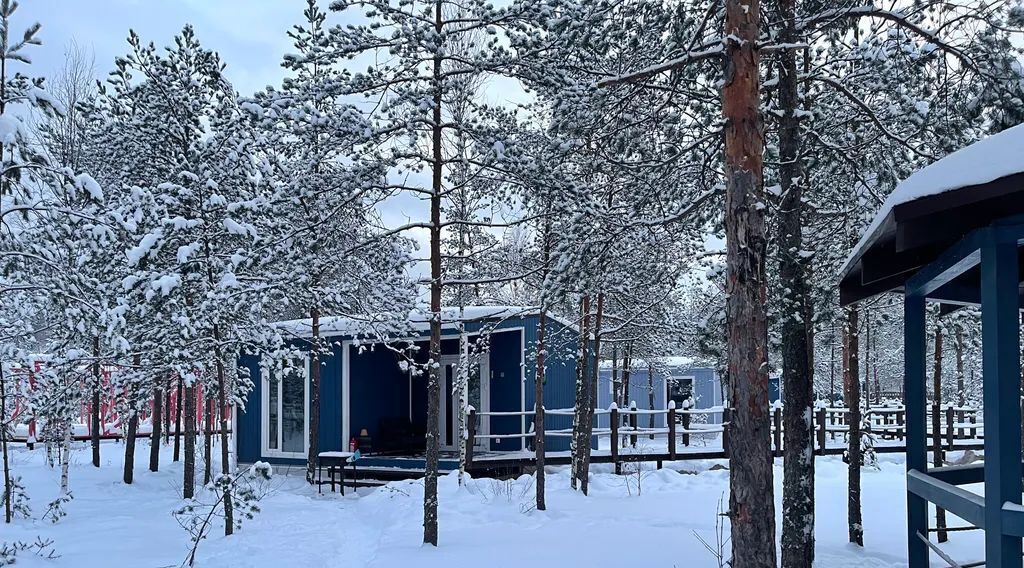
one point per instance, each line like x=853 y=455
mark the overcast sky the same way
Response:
x=250 y=35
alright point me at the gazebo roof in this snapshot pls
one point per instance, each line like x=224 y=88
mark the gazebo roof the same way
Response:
x=933 y=209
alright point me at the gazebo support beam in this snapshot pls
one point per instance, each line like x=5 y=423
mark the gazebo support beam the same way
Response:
x=1001 y=371
x=915 y=344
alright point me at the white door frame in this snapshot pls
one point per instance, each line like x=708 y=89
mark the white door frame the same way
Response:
x=265 y=450
x=483 y=422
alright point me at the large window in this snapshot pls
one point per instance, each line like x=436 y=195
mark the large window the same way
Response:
x=286 y=411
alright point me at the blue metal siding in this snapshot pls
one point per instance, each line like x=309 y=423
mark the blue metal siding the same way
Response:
x=377 y=388
x=559 y=376
x=506 y=387
x=247 y=429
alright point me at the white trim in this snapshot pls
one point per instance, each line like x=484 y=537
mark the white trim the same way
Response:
x=346 y=417
x=265 y=450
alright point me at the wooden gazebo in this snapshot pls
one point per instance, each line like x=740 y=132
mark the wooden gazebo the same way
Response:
x=952 y=234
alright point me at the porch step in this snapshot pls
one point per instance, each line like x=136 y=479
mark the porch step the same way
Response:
x=385 y=474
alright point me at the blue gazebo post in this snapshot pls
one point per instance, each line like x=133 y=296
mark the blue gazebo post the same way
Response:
x=1000 y=322
x=915 y=340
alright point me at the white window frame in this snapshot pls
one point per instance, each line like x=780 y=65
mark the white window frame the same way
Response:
x=265 y=450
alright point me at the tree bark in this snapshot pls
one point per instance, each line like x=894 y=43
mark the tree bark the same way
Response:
x=538 y=394
x=627 y=366
x=538 y=391
x=189 y=411
x=178 y=401
x=581 y=392
x=961 y=389
x=314 y=398
x=3 y=444
x=650 y=398
x=751 y=498
x=167 y=409
x=129 y=442
x=208 y=396
x=154 y=437
x=95 y=410
x=588 y=417
x=851 y=378
x=940 y=514
x=434 y=380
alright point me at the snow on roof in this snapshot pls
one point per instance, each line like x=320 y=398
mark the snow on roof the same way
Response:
x=677 y=362
x=418 y=319
x=986 y=160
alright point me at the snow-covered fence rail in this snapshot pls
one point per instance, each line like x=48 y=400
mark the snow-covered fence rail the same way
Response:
x=623 y=429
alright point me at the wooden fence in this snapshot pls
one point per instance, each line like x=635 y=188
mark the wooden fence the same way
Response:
x=958 y=427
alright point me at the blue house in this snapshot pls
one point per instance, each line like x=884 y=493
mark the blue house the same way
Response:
x=369 y=394
x=673 y=378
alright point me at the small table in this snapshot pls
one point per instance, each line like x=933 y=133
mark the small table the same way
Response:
x=335 y=463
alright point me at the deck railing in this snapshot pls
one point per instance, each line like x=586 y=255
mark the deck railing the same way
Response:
x=830 y=425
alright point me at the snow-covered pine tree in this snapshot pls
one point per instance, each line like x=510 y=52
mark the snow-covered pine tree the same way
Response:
x=325 y=249
x=404 y=97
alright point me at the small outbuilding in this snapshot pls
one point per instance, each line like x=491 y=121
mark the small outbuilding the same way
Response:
x=951 y=234
x=369 y=395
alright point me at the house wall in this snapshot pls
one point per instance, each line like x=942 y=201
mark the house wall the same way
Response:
x=559 y=377
x=707 y=390
x=379 y=388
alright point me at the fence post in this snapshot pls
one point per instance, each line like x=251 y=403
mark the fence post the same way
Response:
x=822 y=429
x=614 y=418
x=949 y=427
x=471 y=437
x=726 y=415
x=974 y=420
x=777 y=435
x=960 y=420
x=899 y=424
x=686 y=426
x=672 y=430
x=632 y=423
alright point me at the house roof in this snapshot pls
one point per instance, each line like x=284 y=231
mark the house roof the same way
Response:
x=934 y=208
x=418 y=320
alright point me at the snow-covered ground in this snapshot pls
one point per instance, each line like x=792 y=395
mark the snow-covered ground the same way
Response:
x=650 y=519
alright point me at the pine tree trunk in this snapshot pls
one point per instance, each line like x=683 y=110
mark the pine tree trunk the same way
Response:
x=798 y=379
x=129 y=442
x=940 y=514
x=314 y=398
x=650 y=398
x=95 y=413
x=616 y=383
x=588 y=418
x=167 y=410
x=751 y=498
x=461 y=395
x=851 y=358
x=627 y=371
x=208 y=396
x=961 y=389
x=154 y=437
x=65 y=449
x=188 y=408
x=538 y=395
x=4 y=426
x=225 y=456
x=434 y=375
x=581 y=393
x=178 y=404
